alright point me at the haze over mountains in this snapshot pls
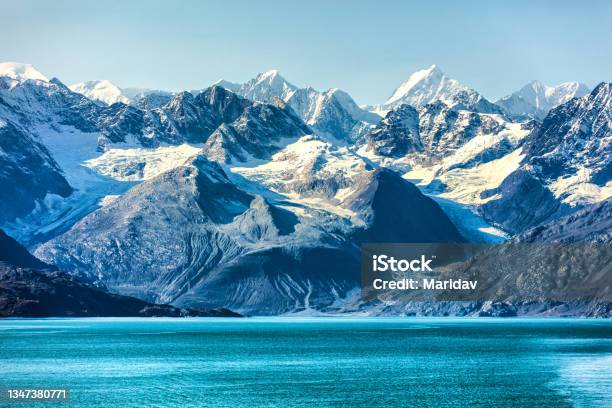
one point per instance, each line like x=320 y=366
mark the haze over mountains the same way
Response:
x=256 y=196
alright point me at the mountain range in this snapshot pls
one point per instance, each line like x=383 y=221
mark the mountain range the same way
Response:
x=256 y=197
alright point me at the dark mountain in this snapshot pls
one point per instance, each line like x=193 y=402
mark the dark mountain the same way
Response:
x=562 y=268
x=27 y=173
x=395 y=210
x=165 y=235
x=14 y=254
x=525 y=201
x=317 y=277
x=259 y=131
x=32 y=288
x=443 y=129
x=28 y=292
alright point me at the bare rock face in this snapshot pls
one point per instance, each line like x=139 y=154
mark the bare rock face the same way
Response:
x=230 y=127
x=560 y=268
x=435 y=130
x=397 y=134
x=266 y=222
x=14 y=254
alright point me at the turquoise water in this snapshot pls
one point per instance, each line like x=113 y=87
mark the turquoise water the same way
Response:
x=311 y=362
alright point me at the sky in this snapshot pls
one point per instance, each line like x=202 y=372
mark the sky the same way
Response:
x=366 y=48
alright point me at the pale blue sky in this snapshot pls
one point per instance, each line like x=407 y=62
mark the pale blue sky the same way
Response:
x=364 y=47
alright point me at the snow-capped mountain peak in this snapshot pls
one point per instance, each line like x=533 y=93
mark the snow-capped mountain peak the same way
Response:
x=431 y=85
x=267 y=85
x=564 y=92
x=100 y=90
x=20 y=71
x=419 y=79
x=536 y=99
x=424 y=86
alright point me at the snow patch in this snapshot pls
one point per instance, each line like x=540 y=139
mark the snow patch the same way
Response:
x=578 y=189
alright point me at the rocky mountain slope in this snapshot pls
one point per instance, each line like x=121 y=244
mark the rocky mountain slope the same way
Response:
x=185 y=118
x=558 y=269
x=435 y=130
x=32 y=288
x=566 y=164
x=231 y=127
x=592 y=224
